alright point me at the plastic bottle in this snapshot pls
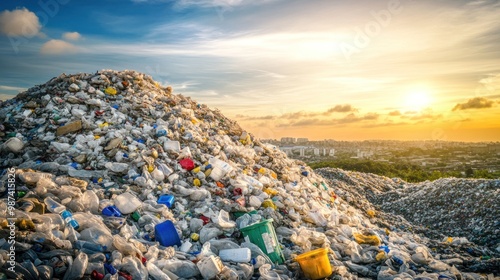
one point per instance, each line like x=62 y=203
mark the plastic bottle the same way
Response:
x=68 y=218
x=77 y=269
x=259 y=256
x=93 y=264
x=96 y=275
x=54 y=206
x=236 y=255
x=133 y=266
x=155 y=272
x=91 y=201
x=110 y=269
x=81 y=244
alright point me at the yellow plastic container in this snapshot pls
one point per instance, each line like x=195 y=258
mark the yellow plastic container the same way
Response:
x=315 y=264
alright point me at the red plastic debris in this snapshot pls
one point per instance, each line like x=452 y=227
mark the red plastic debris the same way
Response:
x=96 y=275
x=206 y=220
x=125 y=275
x=237 y=192
x=187 y=164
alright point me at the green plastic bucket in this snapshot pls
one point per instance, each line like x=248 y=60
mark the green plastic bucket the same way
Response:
x=263 y=235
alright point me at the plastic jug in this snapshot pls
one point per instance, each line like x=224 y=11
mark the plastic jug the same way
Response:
x=166 y=234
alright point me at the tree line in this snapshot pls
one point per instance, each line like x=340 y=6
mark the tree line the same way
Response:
x=406 y=171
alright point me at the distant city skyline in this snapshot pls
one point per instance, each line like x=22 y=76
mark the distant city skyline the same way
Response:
x=287 y=140
x=349 y=70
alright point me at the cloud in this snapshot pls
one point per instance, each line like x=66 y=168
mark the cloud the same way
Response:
x=246 y=117
x=72 y=36
x=395 y=113
x=6 y=96
x=299 y=118
x=341 y=109
x=298 y=115
x=54 y=47
x=301 y=114
x=385 y=124
x=206 y=3
x=426 y=115
x=2 y=87
x=352 y=118
x=20 y=22
x=411 y=112
x=491 y=83
x=474 y=103
x=349 y=119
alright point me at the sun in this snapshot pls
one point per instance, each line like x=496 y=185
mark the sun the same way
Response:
x=418 y=99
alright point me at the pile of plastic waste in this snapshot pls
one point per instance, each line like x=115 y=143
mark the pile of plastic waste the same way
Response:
x=461 y=213
x=456 y=207
x=116 y=177
x=451 y=206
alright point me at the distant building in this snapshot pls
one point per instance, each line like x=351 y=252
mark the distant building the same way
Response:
x=364 y=154
x=288 y=150
x=332 y=152
x=302 y=140
x=288 y=140
x=316 y=152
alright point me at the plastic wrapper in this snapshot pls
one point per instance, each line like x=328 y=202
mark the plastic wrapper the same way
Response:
x=366 y=239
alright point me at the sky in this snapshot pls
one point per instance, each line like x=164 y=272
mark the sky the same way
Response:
x=321 y=69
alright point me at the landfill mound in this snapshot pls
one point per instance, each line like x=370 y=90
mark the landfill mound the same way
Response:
x=446 y=207
x=452 y=210
x=361 y=191
x=456 y=207
x=116 y=177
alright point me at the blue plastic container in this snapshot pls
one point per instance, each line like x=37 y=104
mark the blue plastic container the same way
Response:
x=111 y=211
x=166 y=234
x=167 y=199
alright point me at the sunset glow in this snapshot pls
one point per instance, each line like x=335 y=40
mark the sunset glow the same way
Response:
x=418 y=99
x=347 y=70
